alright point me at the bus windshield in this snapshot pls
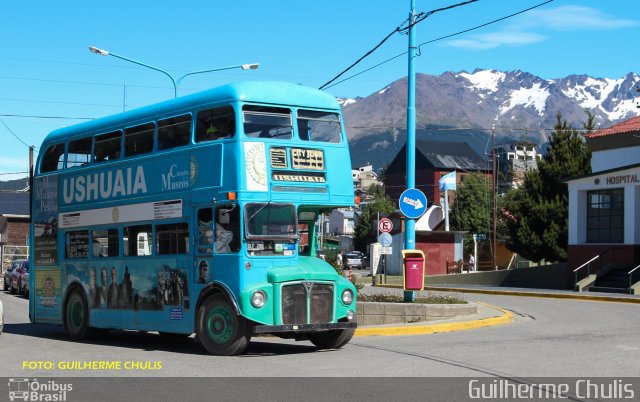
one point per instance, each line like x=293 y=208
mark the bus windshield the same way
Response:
x=273 y=221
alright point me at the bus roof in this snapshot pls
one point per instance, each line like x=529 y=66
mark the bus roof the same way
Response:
x=272 y=92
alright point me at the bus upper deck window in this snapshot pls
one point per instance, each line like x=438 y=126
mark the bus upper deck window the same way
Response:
x=107 y=146
x=53 y=158
x=319 y=126
x=139 y=139
x=215 y=124
x=79 y=153
x=267 y=122
x=174 y=132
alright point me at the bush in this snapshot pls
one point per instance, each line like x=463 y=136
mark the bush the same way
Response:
x=430 y=299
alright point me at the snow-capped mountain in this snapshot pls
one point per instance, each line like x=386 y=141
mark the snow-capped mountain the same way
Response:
x=465 y=106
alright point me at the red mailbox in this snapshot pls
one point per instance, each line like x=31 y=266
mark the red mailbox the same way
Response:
x=413 y=263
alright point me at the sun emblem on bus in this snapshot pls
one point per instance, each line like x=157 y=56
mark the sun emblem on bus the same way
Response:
x=256 y=165
x=115 y=214
x=195 y=169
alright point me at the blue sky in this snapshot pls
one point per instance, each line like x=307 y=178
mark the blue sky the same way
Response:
x=47 y=70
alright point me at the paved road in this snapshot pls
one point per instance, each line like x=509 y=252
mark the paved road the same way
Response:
x=548 y=338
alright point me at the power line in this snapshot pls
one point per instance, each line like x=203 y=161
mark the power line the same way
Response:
x=399 y=29
x=14 y=134
x=439 y=39
x=46 y=117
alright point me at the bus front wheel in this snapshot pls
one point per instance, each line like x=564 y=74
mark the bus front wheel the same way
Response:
x=334 y=339
x=76 y=316
x=220 y=330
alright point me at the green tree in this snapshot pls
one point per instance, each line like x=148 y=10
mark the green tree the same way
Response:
x=536 y=214
x=379 y=203
x=471 y=209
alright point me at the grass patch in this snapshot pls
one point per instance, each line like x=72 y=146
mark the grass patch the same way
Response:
x=430 y=299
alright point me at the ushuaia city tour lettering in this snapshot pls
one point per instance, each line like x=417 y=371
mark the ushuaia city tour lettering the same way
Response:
x=105 y=185
x=629 y=178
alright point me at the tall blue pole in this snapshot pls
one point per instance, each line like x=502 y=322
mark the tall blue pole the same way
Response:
x=410 y=227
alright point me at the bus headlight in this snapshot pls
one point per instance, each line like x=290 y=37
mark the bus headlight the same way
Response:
x=258 y=299
x=347 y=297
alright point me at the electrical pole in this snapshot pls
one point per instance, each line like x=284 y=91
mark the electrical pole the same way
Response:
x=495 y=194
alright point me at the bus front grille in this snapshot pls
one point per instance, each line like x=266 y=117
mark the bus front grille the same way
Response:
x=307 y=303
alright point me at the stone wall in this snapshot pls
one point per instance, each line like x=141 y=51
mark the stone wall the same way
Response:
x=378 y=313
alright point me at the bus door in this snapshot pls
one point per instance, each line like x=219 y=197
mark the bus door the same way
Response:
x=219 y=243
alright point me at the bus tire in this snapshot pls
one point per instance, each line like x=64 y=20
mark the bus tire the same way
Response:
x=334 y=339
x=220 y=330
x=76 y=316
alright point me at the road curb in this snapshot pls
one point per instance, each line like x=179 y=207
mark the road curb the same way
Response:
x=568 y=296
x=505 y=318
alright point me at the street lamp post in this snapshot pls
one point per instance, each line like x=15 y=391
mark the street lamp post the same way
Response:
x=176 y=83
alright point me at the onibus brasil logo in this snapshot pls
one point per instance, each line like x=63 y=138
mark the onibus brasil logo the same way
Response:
x=32 y=390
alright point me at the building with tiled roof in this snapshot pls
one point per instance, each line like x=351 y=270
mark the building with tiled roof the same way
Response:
x=604 y=210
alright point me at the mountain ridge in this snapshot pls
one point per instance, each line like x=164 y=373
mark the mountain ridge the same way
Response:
x=520 y=105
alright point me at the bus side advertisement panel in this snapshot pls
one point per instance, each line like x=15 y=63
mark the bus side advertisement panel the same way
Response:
x=132 y=285
x=48 y=294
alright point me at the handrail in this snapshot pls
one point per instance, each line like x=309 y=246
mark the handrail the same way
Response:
x=630 y=272
x=587 y=263
x=631 y=277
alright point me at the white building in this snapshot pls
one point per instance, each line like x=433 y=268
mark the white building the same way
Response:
x=342 y=222
x=363 y=177
x=604 y=207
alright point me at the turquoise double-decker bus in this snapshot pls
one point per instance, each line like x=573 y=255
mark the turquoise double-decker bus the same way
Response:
x=195 y=215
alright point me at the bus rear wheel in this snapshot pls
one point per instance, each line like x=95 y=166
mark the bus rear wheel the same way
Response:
x=220 y=330
x=76 y=316
x=334 y=339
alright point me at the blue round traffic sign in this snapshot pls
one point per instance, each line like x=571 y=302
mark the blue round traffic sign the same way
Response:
x=413 y=203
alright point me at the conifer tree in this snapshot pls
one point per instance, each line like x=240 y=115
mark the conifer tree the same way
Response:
x=536 y=214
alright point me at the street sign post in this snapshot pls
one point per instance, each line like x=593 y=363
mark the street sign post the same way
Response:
x=413 y=203
x=385 y=225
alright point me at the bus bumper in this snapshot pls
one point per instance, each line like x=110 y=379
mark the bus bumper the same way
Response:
x=273 y=329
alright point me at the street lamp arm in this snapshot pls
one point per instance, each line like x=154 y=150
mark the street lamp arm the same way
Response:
x=175 y=87
x=252 y=66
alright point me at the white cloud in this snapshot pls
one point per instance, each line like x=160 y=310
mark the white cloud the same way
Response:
x=496 y=39
x=565 y=18
x=576 y=18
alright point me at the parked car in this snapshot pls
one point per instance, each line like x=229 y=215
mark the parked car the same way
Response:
x=19 y=268
x=24 y=281
x=354 y=259
x=7 y=277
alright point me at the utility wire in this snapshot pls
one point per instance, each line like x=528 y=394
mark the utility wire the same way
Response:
x=14 y=134
x=46 y=117
x=436 y=40
x=400 y=29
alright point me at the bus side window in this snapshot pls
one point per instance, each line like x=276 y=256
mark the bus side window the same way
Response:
x=105 y=243
x=205 y=231
x=172 y=238
x=106 y=147
x=227 y=229
x=76 y=244
x=174 y=132
x=139 y=139
x=137 y=240
x=53 y=158
x=79 y=153
x=215 y=124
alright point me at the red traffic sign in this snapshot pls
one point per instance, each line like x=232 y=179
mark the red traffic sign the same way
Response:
x=385 y=225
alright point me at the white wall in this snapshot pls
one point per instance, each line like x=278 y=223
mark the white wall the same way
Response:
x=614 y=158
